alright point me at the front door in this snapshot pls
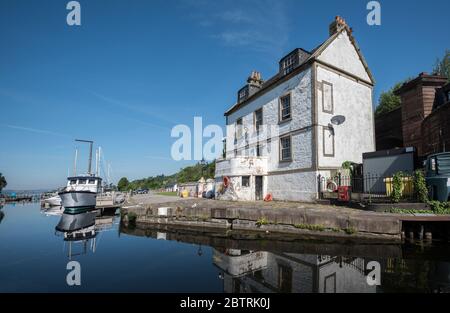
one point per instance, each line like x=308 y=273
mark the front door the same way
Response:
x=258 y=187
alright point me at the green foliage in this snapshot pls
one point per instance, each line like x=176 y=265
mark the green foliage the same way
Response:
x=195 y=172
x=439 y=207
x=123 y=184
x=388 y=100
x=442 y=66
x=185 y=175
x=310 y=227
x=407 y=211
x=420 y=187
x=350 y=230
x=397 y=185
x=436 y=207
x=3 y=182
x=262 y=221
x=132 y=219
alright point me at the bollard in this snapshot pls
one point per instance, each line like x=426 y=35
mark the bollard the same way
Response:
x=420 y=234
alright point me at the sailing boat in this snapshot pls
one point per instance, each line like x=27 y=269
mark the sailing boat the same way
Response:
x=80 y=193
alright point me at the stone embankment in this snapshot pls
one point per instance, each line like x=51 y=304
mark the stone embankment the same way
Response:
x=266 y=219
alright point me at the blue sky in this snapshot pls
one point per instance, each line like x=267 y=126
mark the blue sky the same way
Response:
x=134 y=69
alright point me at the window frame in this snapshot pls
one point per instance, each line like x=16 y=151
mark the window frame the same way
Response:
x=281 y=148
x=322 y=89
x=324 y=129
x=238 y=131
x=258 y=150
x=248 y=181
x=280 y=108
x=255 y=125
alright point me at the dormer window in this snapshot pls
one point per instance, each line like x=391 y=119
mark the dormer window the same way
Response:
x=293 y=60
x=243 y=94
x=288 y=64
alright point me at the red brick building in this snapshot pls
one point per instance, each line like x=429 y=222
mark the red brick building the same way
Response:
x=422 y=121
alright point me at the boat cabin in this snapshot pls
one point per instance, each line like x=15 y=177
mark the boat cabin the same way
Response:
x=84 y=183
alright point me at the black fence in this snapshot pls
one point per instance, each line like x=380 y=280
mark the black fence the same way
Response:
x=368 y=185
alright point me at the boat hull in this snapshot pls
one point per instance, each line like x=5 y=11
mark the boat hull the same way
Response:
x=78 y=201
x=53 y=201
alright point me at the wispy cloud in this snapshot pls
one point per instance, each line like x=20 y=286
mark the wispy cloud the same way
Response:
x=35 y=130
x=261 y=26
x=137 y=109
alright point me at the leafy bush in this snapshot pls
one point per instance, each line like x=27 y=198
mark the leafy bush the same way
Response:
x=262 y=221
x=397 y=186
x=420 y=187
x=132 y=219
x=439 y=207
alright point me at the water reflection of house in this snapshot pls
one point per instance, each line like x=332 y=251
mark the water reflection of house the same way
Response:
x=249 y=271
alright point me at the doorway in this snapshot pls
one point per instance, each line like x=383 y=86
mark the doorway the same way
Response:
x=258 y=188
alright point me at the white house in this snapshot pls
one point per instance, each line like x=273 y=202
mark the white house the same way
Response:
x=306 y=120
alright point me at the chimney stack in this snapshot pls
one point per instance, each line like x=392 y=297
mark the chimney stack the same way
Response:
x=255 y=79
x=337 y=25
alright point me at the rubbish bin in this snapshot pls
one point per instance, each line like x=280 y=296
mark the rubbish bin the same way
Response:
x=406 y=189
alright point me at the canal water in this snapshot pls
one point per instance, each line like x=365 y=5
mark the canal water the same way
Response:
x=34 y=257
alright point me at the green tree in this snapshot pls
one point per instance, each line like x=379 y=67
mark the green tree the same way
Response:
x=123 y=184
x=388 y=100
x=3 y=182
x=442 y=66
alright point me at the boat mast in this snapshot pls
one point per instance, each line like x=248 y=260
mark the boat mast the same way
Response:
x=90 y=153
x=75 y=163
x=99 y=160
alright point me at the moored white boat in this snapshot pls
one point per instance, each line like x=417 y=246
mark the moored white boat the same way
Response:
x=80 y=193
x=53 y=201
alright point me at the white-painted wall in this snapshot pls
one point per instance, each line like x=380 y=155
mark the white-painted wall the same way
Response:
x=298 y=186
x=296 y=180
x=342 y=54
x=356 y=135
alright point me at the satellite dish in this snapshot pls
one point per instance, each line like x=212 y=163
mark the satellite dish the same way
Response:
x=338 y=120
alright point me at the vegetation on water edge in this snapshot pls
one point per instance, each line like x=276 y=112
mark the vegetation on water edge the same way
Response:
x=436 y=207
x=3 y=182
x=311 y=227
x=188 y=174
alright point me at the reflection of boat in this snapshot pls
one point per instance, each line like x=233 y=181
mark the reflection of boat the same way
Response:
x=78 y=228
x=81 y=228
x=54 y=210
x=70 y=223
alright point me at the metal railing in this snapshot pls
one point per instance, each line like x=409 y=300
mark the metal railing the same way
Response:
x=368 y=185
